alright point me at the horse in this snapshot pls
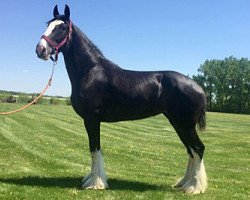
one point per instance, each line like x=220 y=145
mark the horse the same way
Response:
x=102 y=91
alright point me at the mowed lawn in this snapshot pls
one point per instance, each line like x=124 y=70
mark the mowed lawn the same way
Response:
x=44 y=155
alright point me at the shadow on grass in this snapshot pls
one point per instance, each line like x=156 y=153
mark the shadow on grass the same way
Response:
x=61 y=182
x=74 y=182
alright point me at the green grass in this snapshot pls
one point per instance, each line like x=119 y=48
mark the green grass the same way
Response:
x=44 y=155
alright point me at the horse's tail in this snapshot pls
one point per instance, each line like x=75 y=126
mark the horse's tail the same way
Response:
x=202 y=120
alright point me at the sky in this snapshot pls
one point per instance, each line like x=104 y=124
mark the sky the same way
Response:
x=142 y=35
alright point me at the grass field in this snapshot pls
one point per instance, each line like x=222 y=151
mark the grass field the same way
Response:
x=44 y=155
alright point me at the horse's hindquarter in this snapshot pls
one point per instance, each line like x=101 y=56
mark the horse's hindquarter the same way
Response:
x=185 y=98
x=181 y=89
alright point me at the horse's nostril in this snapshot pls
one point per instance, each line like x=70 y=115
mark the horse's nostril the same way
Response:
x=40 y=49
x=43 y=49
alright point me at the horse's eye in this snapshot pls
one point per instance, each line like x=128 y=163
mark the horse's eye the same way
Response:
x=64 y=27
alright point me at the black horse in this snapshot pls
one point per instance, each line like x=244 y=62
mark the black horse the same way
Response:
x=104 y=92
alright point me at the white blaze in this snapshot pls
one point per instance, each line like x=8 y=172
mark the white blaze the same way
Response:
x=49 y=30
x=52 y=26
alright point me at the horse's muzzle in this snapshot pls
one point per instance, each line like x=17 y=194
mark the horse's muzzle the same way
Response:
x=41 y=52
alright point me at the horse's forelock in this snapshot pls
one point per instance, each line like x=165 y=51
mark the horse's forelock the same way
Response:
x=58 y=17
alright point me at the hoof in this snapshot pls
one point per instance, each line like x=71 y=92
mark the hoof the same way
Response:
x=94 y=182
x=189 y=188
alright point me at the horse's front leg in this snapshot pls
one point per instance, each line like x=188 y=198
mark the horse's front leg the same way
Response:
x=97 y=178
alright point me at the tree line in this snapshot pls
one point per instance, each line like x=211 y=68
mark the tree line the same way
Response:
x=18 y=97
x=226 y=84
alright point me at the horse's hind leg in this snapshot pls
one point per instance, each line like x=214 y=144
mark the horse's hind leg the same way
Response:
x=97 y=178
x=195 y=178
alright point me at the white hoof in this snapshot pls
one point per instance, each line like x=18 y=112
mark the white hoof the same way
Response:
x=192 y=187
x=94 y=182
x=97 y=179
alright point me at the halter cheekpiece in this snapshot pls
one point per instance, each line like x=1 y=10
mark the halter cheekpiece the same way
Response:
x=56 y=46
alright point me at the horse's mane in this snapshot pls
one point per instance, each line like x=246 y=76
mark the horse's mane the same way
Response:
x=87 y=44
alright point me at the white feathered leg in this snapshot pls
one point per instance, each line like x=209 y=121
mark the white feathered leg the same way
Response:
x=187 y=175
x=97 y=179
x=195 y=179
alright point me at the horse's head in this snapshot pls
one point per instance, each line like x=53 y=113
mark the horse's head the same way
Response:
x=56 y=36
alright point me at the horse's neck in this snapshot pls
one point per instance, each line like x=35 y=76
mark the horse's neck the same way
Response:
x=80 y=56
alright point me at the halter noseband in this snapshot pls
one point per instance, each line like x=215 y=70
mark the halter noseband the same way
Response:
x=57 y=46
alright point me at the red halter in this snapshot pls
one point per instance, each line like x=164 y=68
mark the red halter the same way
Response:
x=57 y=46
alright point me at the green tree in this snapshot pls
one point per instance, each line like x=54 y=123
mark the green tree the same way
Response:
x=226 y=83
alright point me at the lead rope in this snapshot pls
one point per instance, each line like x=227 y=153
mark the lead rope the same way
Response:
x=36 y=99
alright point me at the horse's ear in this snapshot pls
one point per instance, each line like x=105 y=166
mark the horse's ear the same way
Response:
x=67 y=12
x=55 y=11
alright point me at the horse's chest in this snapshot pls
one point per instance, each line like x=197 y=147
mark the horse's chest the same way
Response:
x=78 y=105
x=86 y=102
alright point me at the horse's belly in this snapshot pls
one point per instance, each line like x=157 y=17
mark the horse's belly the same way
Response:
x=120 y=113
